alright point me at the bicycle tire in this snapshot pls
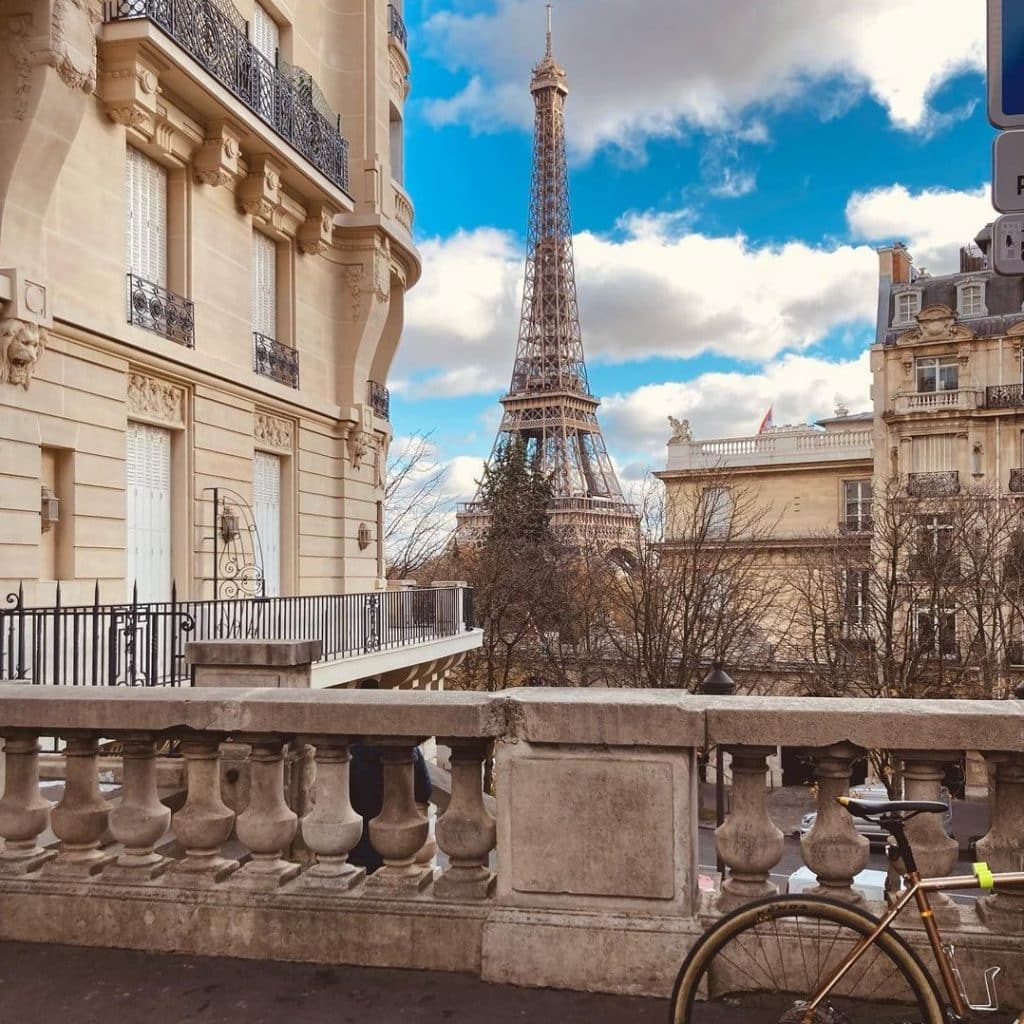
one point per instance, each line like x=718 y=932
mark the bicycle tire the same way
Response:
x=695 y=968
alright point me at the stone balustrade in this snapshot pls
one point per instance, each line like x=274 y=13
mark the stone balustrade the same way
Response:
x=593 y=847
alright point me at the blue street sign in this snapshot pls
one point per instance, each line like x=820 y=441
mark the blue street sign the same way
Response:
x=1006 y=63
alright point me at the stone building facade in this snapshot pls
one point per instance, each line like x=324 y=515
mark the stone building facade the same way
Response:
x=205 y=245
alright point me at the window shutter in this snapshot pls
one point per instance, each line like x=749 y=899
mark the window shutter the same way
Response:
x=266 y=36
x=264 y=285
x=266 y=493
x=148 y=476
x=146 y=186
x=933 y=453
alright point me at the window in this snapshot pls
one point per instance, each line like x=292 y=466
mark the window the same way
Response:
x=855 y=584
x=908 y=305
x=149 y=512
x=937 y=373
x=935 y=631
x=266 y=36
x=971 y=299
x=146 y=185
x=857 y=504
x=266 y=509
x=397 y=146
x=933 y=453
x=934 y=552
x=717 y=510
x=264 y=285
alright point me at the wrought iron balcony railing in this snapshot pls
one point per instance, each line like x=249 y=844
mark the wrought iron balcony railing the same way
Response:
x=1017 y=481
x=272 y=359
x=1005 y=396
x=933 y=485
x=855 y=524
x=161 y=311
x=1015 y=653
x=285 y=98
x=396 y=26
x=379 y=398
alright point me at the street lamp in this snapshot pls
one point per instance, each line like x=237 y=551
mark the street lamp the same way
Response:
x=718 y=683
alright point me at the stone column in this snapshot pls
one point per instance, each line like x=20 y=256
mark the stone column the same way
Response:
x=332 y=828
x=24 y=814
x=139 y=820
x=399 y=831
x=79 y=821
x=935 y=852
x=204 y=822
x=748 y=841
x=466 y=831
x=1003 y=848
x=833 y=849
x=268 y=825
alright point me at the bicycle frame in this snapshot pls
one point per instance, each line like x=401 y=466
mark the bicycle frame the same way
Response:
x=917 y=889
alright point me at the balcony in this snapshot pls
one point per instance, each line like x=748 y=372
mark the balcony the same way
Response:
x=592 y=841
x=213 y=33
x=140 y=644
x=956 y=400
x=852 y=525
x=396 y=27
x=379 y=399
x=161 y=311
x=783 y=445
x=1005 y=396
x=933 y=485
x=272 y=359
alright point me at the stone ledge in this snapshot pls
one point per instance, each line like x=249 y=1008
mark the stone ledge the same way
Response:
x=253 y=653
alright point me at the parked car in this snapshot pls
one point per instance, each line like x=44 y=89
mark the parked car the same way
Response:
x=874 y=834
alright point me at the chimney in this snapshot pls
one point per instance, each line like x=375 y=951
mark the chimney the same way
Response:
x=902 y=262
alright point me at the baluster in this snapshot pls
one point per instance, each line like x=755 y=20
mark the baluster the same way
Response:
x=204 y=822
x=748 y=841
x=332 y=828
x=935 y=852
x=1003 y=848
x=466 y=831
x=79 y=821
x=399 y=831
x=24 y=814
x=268 y=825
x=833 y=849
x=139 y=820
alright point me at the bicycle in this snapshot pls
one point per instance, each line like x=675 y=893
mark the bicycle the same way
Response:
x=816 y=960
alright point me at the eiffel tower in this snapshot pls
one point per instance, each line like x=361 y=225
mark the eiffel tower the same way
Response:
x=549 y=404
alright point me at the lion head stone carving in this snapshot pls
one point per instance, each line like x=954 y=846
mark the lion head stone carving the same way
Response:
x=21 y=345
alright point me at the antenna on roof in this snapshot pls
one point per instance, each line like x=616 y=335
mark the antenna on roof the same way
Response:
x=549 y=30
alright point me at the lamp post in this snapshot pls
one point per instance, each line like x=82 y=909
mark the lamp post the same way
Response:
x=718 y=683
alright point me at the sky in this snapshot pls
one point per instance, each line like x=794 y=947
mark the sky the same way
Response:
x=733 y=167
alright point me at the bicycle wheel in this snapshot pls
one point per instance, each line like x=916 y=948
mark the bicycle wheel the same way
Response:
x=764 y=962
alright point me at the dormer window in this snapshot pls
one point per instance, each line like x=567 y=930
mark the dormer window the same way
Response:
x=970 y=299
x=908 y=305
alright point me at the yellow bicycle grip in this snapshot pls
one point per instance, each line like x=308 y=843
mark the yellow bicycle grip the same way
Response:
x=984 y=875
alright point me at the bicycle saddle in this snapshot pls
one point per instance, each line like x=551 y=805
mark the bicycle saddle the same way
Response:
x=874 y=808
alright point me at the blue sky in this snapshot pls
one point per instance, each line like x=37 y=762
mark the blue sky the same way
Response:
x=729 y=180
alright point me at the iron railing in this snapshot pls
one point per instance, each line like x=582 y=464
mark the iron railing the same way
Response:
x=272 y=359
x=855 y=524
x=396 y=26
x=1015 y=653
x=1017 y=481
x=143 y=643
x=933 y=485
x=213 y=32
x=1004 y=396
x=379 y=398
x=161 y=311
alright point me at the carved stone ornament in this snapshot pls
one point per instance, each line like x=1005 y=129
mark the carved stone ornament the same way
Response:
x=259 y=193
x=381 y=446
x=680 y=430
x=936 y=324
x=317 y=230
x=273 y=431
x=359 y=443
x=382 y=273
x=399 y=77
x=21 y=344
x=354 y=282
x=70 y=49
x=152 y=399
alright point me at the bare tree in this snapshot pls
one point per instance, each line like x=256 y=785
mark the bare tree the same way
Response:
x=416 y=520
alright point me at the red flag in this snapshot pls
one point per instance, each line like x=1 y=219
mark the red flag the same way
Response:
x=766 y=422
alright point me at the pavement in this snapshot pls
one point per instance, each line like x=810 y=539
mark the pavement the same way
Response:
x=40 y=984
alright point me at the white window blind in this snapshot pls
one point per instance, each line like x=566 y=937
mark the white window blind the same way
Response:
x=264 y=285
x=266 y=36
x=933 y=453
x=146 y=200
x=266 y=507
x=149 y=512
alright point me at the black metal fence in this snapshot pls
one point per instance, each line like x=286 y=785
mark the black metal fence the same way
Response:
x=143 y=644
x=272 y=359
x=379 y=398
x=161 y=311
x=396 y=26
x=214 y=33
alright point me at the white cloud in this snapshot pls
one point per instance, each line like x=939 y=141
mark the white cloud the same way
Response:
x=800 y=389
x=933 y=223
x=637 y=73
